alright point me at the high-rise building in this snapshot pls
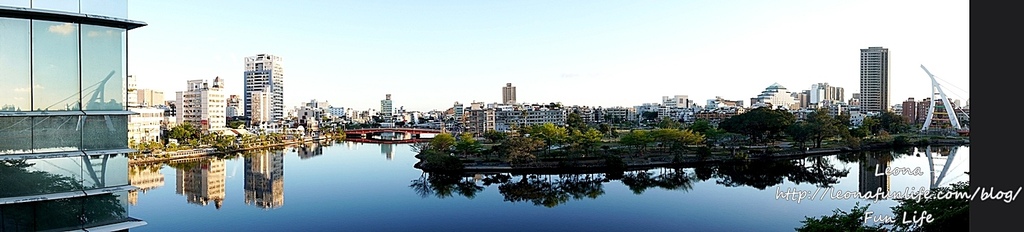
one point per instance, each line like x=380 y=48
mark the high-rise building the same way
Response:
x=64 y=116
x=823 y=94
x=677 y=101
x=508 y=94
x=202 y=105
x=263 y=73
x=387 y=110
x=258 y=107
x=874 y=79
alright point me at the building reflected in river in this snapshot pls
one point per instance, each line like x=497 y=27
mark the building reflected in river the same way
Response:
x=145 y=178
x=869 y=182
x=202 y=182
x=387 y=150
x=264 y=179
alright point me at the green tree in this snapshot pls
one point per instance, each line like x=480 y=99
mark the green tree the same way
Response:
x=519 y=150
x=467 y=145
x=800 y=132
x=551 y=135
x=574 y=122
x=494 y=136
x=669 y=123
x=585 y=141
x=840 y=221
x=637 y=139
x=761 y=125
x=442 y=143
x=824 y=126
x=892 y=123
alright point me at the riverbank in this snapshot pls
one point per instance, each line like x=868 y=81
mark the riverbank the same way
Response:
x=613 y=162
x=202 y=152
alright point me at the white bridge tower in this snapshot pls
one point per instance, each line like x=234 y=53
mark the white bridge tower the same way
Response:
x=937 y=90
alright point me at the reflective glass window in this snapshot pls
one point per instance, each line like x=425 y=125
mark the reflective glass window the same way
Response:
x=15 y=66
x=105 y=209
x=103 y=132
x=61 y=214
x=40 y=176
x=101 y=171
x=55 y=76
x=15 y=135
x=56 y=133
x=103 y=74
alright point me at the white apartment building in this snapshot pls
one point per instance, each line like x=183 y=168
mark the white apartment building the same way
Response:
x=387 y=110
x=677 y=101
x=234 y=107
x=144 y=126
x=263 y=73
x=202 y=105
x=778 y=97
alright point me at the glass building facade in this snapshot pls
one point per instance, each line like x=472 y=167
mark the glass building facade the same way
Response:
x=63 y=117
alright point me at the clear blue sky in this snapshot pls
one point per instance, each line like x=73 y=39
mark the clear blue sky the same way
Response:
x=429 y=54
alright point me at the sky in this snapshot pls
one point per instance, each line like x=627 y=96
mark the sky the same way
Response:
x=430 y=54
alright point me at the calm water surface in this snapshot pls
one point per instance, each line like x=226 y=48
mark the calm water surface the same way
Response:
x=373 y=187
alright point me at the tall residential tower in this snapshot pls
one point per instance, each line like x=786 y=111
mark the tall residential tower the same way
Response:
x=263 y=73
x=508 y=94
x=874 y=79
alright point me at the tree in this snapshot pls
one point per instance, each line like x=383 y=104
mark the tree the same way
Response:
x=585 y=141
x=551 y=135
x=574 y=121
x=761 y=125
x=840 y=221
x=605 y=129
x=823 y=126
x=467 y=145
x=669 y=123
x=494 y=136
x=892 y=123
x=800 y=132
x=519 y=150
x=649 y=115
x=442 y=143
x=638 y=139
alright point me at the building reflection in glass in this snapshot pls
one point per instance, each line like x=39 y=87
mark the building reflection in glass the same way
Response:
x=264 y=179
x=145 y=178
x=868 y=181
x=387 y=150
x=310 y=150
x=202 y=182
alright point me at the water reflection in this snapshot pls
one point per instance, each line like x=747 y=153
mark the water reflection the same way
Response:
x=310 y=150
x=201 y=182
x=145 y=177
x=551 y=190
x=264 y=179
x=26 y=178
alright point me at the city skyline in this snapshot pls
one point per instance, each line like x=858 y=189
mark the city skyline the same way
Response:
x=601 y=54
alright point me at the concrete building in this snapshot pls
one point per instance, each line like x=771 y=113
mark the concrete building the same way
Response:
x=258 y=108
x=823 y=95
x=145 y=124
x=264 y=73
x=132 y=97
x=508 y=94
x=64 y=132
x=874 y=79
x=459 y=112
x=777 y=96
x=387 y=109
x=202 y=105
x=677 y=101
x=720 y=102
x=150 y=98
x=234 y=107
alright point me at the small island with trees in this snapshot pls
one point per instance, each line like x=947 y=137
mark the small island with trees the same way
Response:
x=761 y=133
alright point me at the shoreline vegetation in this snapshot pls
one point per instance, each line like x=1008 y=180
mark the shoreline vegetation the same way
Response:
x=759 y=134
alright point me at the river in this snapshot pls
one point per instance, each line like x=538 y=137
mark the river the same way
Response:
x=350 y=186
